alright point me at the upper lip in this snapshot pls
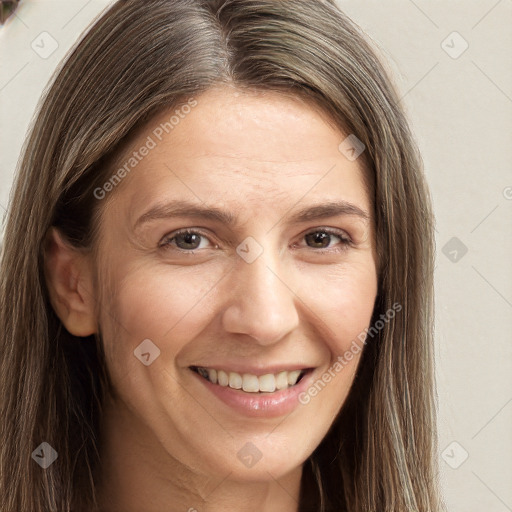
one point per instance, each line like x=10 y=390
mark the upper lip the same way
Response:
x=252 y=369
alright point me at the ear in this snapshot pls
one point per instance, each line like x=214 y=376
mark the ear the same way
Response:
x=68 y=275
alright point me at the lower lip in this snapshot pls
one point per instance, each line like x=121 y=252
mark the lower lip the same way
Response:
x=268 y=405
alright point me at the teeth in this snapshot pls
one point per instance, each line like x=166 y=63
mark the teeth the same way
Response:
x=267 y=382
x=282 y=380
x=212 y=375
x=293 y=377
x=251 y=383
x=235 y=380
x=223 y=378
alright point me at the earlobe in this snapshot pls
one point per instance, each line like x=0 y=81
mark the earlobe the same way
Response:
x=68 y=276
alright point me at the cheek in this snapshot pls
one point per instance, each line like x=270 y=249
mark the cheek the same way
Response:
x=159 y=303
x=342 y=299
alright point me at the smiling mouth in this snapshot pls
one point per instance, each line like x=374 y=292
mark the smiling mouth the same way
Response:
x=250 y=383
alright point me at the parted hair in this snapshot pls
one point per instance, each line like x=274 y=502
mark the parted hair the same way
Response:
x=140 y=58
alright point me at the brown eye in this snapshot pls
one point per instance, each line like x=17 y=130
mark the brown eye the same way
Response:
x=318 y=239
x=322 y=238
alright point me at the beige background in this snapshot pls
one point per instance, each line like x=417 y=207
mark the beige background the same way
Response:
x=460 y=104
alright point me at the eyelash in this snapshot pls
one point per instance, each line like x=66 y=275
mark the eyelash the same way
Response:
x=346 y=242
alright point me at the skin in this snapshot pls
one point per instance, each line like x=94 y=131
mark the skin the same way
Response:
x=168 y=443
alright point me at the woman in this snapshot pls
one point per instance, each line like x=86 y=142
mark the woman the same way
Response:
x=217 y=273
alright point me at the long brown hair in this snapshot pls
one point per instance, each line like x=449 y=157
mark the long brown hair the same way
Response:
x=138 y=59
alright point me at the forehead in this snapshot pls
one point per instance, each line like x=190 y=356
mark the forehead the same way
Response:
x=239 y=148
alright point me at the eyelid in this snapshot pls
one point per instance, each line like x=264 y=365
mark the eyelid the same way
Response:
x=332 y=231
x=340 y=233
x=183 y=231
x=346 y=239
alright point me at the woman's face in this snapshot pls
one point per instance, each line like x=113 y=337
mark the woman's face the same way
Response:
x=276 y=276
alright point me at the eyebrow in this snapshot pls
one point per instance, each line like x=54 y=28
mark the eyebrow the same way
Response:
x=180 y=208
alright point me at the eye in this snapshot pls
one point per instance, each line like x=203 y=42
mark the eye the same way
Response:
x=323 y=238
x=186 y=240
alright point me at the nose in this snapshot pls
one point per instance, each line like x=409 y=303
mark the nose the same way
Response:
x=262 y=304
